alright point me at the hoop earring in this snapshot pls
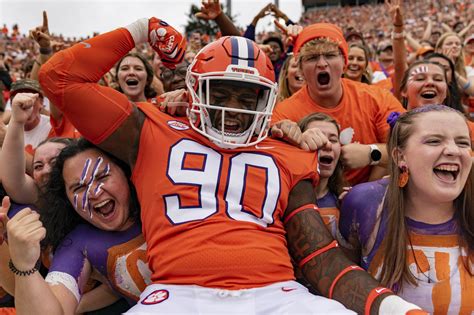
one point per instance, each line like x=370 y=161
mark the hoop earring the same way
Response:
x=403 y=177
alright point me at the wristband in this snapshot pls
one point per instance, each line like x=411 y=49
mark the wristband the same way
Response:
x=318 y=252
x=298 y=210
x=20 y=272
x=339 y=276
x=376 y=292
x=396 y=35
x=45 y=50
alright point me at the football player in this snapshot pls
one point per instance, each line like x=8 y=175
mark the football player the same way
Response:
x=221 y=203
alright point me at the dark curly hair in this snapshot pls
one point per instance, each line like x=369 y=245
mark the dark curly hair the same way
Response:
x=57 y=213
x=149 y=91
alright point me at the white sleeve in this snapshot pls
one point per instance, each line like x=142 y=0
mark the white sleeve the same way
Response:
x=57 y=277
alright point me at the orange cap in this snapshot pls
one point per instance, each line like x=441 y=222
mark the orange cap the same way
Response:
x=322 y=30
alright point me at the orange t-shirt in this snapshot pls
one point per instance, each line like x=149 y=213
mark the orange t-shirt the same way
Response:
x=212 y=217
x=364 y=108
x=385 y=84
x=63 y=128
x=389 y=72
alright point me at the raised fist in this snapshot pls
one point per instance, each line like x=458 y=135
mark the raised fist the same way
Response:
x=167 y=42
x=22 y=106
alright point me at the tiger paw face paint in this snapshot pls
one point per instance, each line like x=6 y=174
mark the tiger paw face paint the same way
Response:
x=426 y=85
x=97 y=189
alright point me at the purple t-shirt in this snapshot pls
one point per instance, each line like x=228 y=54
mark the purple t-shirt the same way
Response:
x=359 y=212
x=119 y=256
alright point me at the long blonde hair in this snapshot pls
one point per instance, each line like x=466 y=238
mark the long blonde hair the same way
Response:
x=459 y=62
x=283 y=86
x=395 y=268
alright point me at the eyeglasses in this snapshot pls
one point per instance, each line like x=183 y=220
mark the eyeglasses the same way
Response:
x=168 y=74
x=329 y=56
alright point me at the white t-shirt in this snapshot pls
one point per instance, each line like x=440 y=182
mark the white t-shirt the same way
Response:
x=34 y=136
x=469 y=71
x=378 y=76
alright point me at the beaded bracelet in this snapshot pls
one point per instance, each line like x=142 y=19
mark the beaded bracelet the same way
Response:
x=19 y=272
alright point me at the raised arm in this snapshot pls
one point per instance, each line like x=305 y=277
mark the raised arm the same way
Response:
x=33 y=295
x=101 y=114
x=250 y=31
x=428 y=30
x=211 y=10
x=324 y=264
x=466 y=30
x=412 y=42
x=19 y=186
x=41 y=36
x=398 y=42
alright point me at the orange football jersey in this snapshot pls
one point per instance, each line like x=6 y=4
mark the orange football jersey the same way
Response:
x=212 y=217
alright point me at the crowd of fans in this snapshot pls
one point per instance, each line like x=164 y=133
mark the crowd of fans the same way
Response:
x=383 y=93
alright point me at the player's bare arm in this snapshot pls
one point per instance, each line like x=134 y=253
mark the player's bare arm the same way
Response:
x=124 y=141
x=307 y=235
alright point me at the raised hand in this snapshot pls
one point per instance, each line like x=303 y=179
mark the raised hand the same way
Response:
x=267 y=49
x=167 y=42
x=287 y=130
x=264 y=11
x=210 y=10
x=175 y=102
x=22 y=106
x=314 y=139
x=449 y=52
x=292 y=31
x=394 y=7
x=25 y=232
x=278 y=12
x=41 y=33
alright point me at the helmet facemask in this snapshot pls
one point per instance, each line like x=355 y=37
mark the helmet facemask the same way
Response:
x=232 y=108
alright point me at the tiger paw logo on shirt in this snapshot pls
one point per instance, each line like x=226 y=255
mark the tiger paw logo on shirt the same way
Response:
x=156 y=297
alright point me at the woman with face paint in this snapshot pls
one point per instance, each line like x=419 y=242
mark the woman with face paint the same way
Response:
x=414 y=231
x=26 y=190
x=426 y=82
x=91 y=222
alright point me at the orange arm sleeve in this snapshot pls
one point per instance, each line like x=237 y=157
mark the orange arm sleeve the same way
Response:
x=69 y=79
